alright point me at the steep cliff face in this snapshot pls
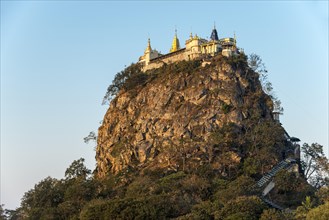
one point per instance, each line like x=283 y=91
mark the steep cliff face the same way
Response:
x=167 y=122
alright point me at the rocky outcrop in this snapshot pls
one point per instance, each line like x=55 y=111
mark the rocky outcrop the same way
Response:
x=167 y=122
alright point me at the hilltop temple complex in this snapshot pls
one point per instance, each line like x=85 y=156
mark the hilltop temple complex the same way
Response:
x=195 y=47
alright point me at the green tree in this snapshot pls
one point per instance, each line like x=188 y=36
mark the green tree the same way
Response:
x=2 y=213
x=263 y=141
x=77 y=170
x=41 y=202
x=286 y=181
x=315 y=165
x=16 y=214
x=128 y=78
x=59 y=199
x=272 y=214
x=323 y=194
x=255 y=62
x=79 y=189
x=94 y=210
x=150 y=207
x=302 y=210
x=250 y=208
x=241 y=186
x=204 y=210
x=319 y=213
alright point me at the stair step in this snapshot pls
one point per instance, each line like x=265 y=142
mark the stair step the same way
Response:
x=281 y=165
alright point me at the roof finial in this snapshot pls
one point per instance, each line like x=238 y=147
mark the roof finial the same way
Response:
x=214 y=35
x=175 y=44
x=148 y=48
x=234 y=39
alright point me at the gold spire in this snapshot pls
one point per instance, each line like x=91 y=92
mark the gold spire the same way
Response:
x=148 y=48
x=175 y=43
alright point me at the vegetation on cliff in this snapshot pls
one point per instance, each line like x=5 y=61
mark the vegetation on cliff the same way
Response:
x=188 y=140
x=179 y=195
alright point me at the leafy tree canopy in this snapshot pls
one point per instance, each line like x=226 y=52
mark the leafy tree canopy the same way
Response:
x=126 y=79
x=77 y=170
x=315 y=165
x=255 y=62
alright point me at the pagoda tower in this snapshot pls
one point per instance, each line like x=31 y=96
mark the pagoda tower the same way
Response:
x=175 y=43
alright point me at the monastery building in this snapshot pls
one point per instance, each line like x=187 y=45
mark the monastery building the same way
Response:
x=195 y=47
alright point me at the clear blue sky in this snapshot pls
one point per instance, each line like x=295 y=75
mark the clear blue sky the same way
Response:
x=57 y=59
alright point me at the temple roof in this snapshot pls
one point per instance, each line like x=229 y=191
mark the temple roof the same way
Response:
x=214 y=35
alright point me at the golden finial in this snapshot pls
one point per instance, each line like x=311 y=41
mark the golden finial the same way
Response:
x=175 y=44
x=148 y=48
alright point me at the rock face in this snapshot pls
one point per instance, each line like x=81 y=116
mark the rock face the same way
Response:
x=167 y=122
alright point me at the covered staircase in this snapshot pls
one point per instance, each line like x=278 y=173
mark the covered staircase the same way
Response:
x=282 y=165
x=269 y=184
